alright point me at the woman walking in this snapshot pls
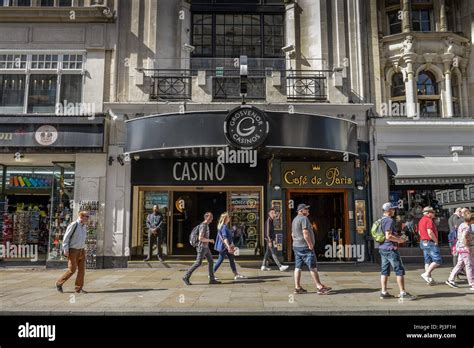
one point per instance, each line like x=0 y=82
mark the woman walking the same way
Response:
x=465 y=250
x=225 y=246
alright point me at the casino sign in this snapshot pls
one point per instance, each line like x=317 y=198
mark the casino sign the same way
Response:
x=246 y=127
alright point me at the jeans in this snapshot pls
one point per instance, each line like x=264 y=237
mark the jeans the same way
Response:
x=221 y=258
x=466 y=261
x=152 y=239
x=271 y=250
x=304 y=256
x=431 y=252
x=391 y=258
x=202 y=253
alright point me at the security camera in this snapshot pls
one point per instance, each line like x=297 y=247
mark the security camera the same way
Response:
x=188 y=47
x=288 y=49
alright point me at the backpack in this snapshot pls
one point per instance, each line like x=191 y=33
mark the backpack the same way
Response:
x=376 y=231
x=194 y=236
x=453 y=237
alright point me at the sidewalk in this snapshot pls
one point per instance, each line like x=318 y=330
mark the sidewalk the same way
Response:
x=160 y=291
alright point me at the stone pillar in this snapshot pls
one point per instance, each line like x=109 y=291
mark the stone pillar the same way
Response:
x=290 y=34
x=406 y=19
x=185 y=29
x=443 y=21
x=448 y=86
x=410 y=90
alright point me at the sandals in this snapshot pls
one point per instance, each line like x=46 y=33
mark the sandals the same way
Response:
x=324 y=290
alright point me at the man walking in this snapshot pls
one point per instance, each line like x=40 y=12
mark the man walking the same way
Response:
x=74 y=244
x=270 y=240
x=303 y=248
x=203 y=251
x=153 y=223
x=429 y=244
x=390 y=256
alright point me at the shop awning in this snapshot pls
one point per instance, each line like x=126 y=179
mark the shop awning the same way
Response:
x=432 y=170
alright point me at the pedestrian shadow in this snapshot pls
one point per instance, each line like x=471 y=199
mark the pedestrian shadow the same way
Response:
x=113 y=291
x=355 y=291
x=270 y=277
x=252 y=281
x=443 y=295
x=165 y=265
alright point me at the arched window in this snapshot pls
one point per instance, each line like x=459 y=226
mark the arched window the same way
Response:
x=428 y=94
x=398 y=85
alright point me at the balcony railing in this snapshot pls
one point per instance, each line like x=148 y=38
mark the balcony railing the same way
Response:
x=306 y=86
x=170 y=84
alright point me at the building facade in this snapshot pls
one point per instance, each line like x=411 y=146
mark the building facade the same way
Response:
x=421 y=129
x=177 y=80
x=54 y=81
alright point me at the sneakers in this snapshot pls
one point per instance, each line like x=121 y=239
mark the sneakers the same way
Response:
x=472 y=287
x=300 y=291
x=265 y=268
x=214 y=281
x=239 y=276
x=59 y=288
x=406 y=296
x=214 y=277
x=386 y=296
x=186 y=281
x=451 y=284
x=81 y=291
x=284 y=268
x=427 y=279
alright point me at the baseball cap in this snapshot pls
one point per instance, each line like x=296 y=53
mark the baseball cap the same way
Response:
x=387 y=206
x=302 y=206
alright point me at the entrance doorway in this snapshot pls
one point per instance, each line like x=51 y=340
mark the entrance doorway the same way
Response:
x=328 y=216
x=189 y=209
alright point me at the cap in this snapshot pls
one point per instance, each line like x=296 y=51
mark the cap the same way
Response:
x=388 y=206
x=302 y=206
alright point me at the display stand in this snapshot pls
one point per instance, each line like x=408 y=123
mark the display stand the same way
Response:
x=92 y=208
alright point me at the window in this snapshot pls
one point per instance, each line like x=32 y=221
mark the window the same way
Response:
x=426 y=84
x=47 y=3
x=42 y=93
x=394 y=22
x=71 y=89
x=421 y=20
x=12 y=93
x=398 y=85
x=254 y=35
x=51 y=78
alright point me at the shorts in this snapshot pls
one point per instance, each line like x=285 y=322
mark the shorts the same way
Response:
x=431 y=252
x=391 y=258
x=304 y=256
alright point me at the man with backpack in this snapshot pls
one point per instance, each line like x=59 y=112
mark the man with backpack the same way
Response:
x=199 y=238
x=74 y=244
x=384 y=232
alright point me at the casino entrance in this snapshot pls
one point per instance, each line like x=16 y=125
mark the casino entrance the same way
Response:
x=329 y=219
x=183 y=208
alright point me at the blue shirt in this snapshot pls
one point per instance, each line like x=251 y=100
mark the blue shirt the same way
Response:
x=225 y=233
x=388 y=225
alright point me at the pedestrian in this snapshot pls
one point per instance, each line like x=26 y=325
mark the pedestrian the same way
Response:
x=465 y=250
x=203 y=251
x=454 y=222
x=303 y=248
x=154 y=221
x=271 y=243
x=390 y=256
x=225 y=246
x=74 y=248
x=429 y=244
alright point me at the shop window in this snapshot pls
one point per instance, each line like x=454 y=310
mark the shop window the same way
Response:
x=244 y=209
x=72 y=61
x=254 y=35
x=12 y=93
x=42 y=94
x=47 y=3
x=151 y=198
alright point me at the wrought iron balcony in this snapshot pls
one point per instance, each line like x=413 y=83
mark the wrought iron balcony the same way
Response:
x=170 y=84
x=306 y=85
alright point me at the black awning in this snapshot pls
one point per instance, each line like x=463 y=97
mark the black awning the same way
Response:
x=289 y=134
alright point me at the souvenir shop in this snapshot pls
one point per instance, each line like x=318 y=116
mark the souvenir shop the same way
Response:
x=38 y=178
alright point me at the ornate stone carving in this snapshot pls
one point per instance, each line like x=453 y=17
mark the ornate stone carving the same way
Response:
x=408 y=45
